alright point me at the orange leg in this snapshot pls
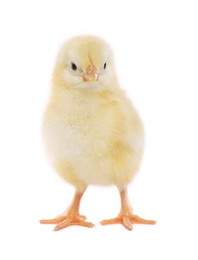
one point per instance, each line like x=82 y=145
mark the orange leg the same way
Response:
x=72 y=217
x=126 y=217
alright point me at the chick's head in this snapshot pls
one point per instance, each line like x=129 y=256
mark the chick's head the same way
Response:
x=85 y=62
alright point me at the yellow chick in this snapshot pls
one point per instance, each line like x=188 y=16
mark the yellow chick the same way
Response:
x=92 y=132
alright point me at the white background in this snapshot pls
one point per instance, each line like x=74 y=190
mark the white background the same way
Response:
x=156 y=50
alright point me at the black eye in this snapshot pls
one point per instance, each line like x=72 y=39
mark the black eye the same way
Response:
x=105 y=65
x=73 y=66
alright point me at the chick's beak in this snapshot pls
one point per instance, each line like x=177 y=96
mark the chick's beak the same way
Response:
x=91 y=74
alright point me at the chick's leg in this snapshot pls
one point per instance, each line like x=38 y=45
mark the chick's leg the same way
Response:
x=126 y=217
x=71 y=217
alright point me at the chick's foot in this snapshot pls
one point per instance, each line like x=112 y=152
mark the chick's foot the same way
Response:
x=72 y=217
x=126 y=217
x=127 y=220
x=67 y=220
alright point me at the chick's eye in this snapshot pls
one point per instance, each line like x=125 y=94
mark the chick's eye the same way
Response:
x=105 y=65
x=73 y=66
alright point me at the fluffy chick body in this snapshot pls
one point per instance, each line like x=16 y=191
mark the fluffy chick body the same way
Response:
x=92 y=132
x=93 y=137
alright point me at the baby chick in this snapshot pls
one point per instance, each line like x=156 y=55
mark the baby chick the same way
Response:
x=91 y=130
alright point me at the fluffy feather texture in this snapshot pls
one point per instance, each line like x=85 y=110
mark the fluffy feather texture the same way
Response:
x=92 y=132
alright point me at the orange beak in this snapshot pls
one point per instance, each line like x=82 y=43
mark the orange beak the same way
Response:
x=91 y=74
